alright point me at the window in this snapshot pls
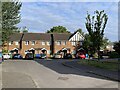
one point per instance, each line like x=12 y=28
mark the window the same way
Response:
x=48 y=43
x=58 y=42
x=48 y=52
x=64 y=42
x=11 y=42
x=33 y=42
x=16 y=43
x=26 y=42
x=73 y=43
x=43 y=43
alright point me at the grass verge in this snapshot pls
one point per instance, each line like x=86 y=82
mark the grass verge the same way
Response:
x=110 y=65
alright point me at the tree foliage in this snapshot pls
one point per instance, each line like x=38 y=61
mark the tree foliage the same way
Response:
x=117 y=47
x=95 y=26
x=58 y=29
x=10 y=17
x=80 y=30
x=25 y=30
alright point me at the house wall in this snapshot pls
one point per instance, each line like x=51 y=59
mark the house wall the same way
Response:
x=60 y=47
x=12 y=46
x=38 y=44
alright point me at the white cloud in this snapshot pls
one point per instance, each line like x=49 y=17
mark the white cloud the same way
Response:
x=40 y=17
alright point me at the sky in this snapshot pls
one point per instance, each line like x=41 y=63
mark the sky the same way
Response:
x=42 y=16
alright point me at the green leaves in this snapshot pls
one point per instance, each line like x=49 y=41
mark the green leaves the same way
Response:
x=10 y=17
x=117 y=47
x=58 y=29
x=95 y=26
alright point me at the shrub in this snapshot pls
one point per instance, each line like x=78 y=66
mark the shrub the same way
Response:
x=4 y=51
x=114 y=55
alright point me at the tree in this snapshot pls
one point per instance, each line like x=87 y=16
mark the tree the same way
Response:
x=25 y=30
x=95 y=26
x=105 y=42
x=10 y=17
x=117 y=47
x=81 y=32
x=58 y=29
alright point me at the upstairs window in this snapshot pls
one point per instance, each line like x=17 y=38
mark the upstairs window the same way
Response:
x=43 y=43
x=58 y=42
x=33 y=42
x=11 y=42
x=26 y=42
x=64 y=42
x=16 y=43
x=48 y=43
x=73 y=43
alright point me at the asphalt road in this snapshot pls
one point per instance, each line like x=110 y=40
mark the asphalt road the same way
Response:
x=49 y=74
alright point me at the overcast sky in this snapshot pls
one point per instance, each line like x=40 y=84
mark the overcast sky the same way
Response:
x=41 y=16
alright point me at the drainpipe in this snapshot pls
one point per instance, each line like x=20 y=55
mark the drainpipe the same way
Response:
x=20 y=43
x=52 y=44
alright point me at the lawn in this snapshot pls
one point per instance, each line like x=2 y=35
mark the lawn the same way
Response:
x=110 y=65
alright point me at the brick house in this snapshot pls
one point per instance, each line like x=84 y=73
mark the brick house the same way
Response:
x=43 y=42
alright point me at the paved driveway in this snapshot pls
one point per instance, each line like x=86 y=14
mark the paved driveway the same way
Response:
x=49 y=74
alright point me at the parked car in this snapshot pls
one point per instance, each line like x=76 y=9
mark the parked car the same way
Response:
x=6 y=56
x=37 y=55
x=29 y=56
x=17 y=56
x=57 y=56
x=68 y=56
x=43 y=56
x=80 y=55
x=1 y=59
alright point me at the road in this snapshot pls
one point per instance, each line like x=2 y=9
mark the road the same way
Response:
x=49 y=74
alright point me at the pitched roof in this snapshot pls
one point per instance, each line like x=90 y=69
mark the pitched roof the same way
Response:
x=15 y=37
x=62 y=36
x=40 y=36
x=36 y=36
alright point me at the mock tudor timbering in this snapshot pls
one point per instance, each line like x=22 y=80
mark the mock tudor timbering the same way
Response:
x=52 y=43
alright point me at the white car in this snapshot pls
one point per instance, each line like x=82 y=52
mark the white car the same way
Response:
x=6 y=56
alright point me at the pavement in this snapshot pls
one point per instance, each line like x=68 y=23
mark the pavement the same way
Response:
x=113 y=75
x=49 y=74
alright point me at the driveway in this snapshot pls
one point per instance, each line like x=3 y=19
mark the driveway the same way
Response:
x=49 y=74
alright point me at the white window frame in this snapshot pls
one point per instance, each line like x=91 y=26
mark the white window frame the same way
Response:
x=26 y=42
x=33 y=42
x=16 y=43
x=48 y=43
x=58 y=42
x=43 y=42
x=73 y=43
x=48 y=51
x=11 y=42
x=64 y=43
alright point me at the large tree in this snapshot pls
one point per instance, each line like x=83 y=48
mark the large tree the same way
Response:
x=80 y=30
x=95 y=26
x=10 y=17
x=58 y=29
x=117 y=47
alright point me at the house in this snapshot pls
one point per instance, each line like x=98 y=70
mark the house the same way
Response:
x=47 y=43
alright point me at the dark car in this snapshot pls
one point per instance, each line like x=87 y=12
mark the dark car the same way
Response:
x=43 y=56
x=29 y=56
x=17 y=56
x=68 y=56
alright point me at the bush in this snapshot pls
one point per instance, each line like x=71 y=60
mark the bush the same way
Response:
x=114 y=55
x=4 y=51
